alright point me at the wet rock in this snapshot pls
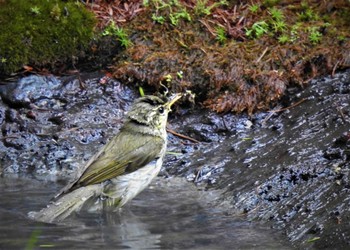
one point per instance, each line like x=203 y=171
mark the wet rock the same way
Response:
x=29 y=89
x=51 y=125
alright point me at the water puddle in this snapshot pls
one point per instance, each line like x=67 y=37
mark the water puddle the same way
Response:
x=171 y=214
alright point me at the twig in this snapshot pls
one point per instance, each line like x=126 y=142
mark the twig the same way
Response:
x=262 y=55
x=280 y=110
x=198 y=175
x=182 y=136
x=270 y=115
x=81 y=82
x=9 y=137
x=340 y=111
x=334 y=68
x=208 y=27
x=291 y=106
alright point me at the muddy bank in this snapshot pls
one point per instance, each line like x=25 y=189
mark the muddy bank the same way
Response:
x=289 y=168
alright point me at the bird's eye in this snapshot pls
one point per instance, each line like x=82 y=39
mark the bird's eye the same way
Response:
x=161 y=110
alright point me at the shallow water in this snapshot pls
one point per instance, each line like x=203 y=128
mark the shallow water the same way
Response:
x=171 y=214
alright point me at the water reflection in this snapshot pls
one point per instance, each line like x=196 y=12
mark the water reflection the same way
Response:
x=122 y=230
x=169 y=215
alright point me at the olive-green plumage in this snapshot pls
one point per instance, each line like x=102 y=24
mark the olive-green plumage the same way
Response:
x=122 y=168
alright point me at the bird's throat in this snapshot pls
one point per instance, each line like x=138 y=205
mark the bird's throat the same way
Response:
x=134 y=126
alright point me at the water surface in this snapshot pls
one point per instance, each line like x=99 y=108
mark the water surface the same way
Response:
x=171 y=214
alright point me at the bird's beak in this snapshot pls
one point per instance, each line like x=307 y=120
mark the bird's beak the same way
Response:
x=173 y=99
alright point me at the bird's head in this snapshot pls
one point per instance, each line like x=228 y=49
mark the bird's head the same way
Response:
x=152 y=111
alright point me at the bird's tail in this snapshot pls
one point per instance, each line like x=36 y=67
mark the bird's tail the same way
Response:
x=64 y=206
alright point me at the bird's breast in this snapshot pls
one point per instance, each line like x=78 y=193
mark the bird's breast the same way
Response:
x=126 y=187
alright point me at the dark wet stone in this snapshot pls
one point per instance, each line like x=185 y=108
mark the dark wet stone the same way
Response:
x=333 y=153
x=53 y=124
x=11 y=115
x=343 y=140
x=29 y=89
x=57 y=119
x=19 y=143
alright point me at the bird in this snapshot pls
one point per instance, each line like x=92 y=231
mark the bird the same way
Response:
x=122 y=168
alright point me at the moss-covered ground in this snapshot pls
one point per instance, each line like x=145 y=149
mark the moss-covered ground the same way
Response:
x=234 y=55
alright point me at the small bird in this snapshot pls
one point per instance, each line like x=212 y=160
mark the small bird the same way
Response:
x=122 y=168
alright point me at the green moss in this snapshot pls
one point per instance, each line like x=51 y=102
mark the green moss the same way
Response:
x=254 y=8
x=204 y=8
x=314 y=35
x=270 y=3
x=258 y=29
x=40 y=32
x=221 y=35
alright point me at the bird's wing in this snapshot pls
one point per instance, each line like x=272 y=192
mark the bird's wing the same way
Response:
x=124 y=153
